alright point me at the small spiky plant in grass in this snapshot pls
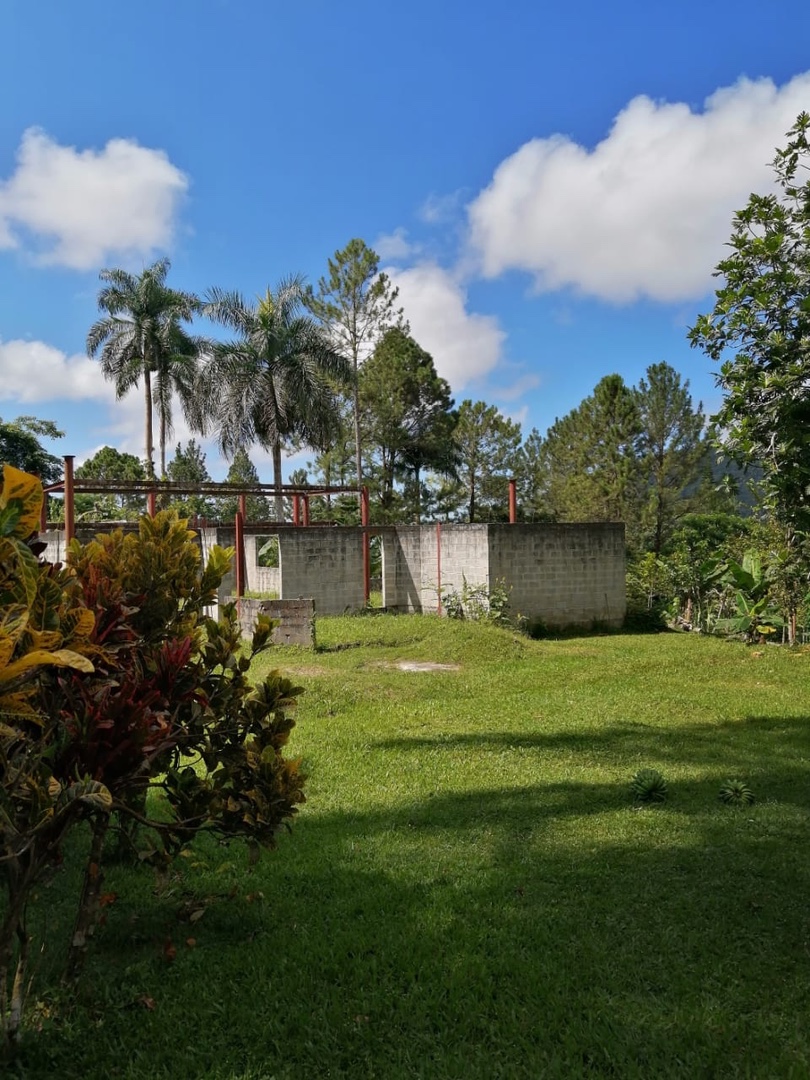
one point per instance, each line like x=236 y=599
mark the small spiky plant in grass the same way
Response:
x=736 y=793
x=649 y=786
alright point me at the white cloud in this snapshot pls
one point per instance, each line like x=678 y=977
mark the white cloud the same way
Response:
x=84 y=207
x=395 y=245
x=524 y=385
x=32 y=371
x=440 y=209
x=647 y=211
x=464 y=345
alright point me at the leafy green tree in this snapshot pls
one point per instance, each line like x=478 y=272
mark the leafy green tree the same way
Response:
x=407 y=418
x=356 y=304
x=591 y=458
x=533 y=479
x=488 y=447
x=759 y=332
x=20 y=447
x=275 y=382
x=142 y=337
x=188 y=466
x=671 y=447
x=243 y=471
x=110 y=464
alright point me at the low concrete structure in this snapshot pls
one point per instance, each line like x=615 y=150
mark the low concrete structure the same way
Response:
x=560 y=575
x=295 y=619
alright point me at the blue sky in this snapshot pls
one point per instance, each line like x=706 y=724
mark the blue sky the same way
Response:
x=549 y=185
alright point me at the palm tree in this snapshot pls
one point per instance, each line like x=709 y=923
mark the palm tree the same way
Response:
x=141 y=336
x=276 y=381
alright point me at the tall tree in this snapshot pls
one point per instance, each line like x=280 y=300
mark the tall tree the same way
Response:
x=243 y=471
x=407 y=417
x=488 y=447
x=759 y=332
x=142 y=337
x=188 y=466
x=110 y=464
x=356 y=304
x=672 y=449
x=20 y=447
x=275 y=382
x=591 y=457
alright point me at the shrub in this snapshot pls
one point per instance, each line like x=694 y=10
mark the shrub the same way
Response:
x=152 y=694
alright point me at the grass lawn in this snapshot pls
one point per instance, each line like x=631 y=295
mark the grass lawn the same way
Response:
x=469 y=891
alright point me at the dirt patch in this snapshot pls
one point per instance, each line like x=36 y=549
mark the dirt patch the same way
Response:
x=423 y=665
x=307 y=670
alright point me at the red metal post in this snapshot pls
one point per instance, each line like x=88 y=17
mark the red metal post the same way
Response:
x=306 y=509
x=512 y=502
x=438 y=568
x=43 y=513
x=296 y=509
x=151 y=503
x=366 y=543
x=70 y=524
x=240 y=554
x=243 y=507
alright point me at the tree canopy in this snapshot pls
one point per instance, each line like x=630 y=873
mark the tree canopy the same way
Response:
x=759 y=332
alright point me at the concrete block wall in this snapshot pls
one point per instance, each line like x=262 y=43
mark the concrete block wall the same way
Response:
x=325 y=564
x=464 y=557
x=562 y=575
x=402 y=568
x=295 y=619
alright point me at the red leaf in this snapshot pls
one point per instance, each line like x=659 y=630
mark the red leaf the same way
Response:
x=169 y=951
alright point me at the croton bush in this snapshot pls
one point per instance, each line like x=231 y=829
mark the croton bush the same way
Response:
x=114 y=686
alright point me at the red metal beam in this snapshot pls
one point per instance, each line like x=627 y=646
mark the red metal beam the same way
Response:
x=240 y=555
x=306 y=508
x=512 y=502
x=70 y=523
x=366 y=544
x=296 y=509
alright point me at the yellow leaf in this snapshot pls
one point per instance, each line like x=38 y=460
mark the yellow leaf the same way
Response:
x=45 y=639
x=26 y=488
x=38 y=657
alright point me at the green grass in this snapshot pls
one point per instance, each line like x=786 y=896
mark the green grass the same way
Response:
x=471 y=890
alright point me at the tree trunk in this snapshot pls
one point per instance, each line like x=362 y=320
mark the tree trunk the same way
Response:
x=88 y=904
x=358 y=457
x=162 y=445
x=147 y=385
x=279 y=498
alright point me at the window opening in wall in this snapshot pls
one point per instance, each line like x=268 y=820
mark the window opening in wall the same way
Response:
x=267 y=573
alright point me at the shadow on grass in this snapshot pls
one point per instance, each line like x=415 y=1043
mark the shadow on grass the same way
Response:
x=776 y=750
x=623 y=961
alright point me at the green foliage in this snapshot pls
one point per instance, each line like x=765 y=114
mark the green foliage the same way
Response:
x=188 y=466
x=759 y=329
x=736 y=793
x=110 y=464
x=488 y=447
x=671 y=448
x=275 y=382
x=478 y=603
x=649 y=786
x=243 y=471
x=141 y=336
x=355 y=304
x=407 y=421
x=20 y=447
x=113 y=682
x=590 y=457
